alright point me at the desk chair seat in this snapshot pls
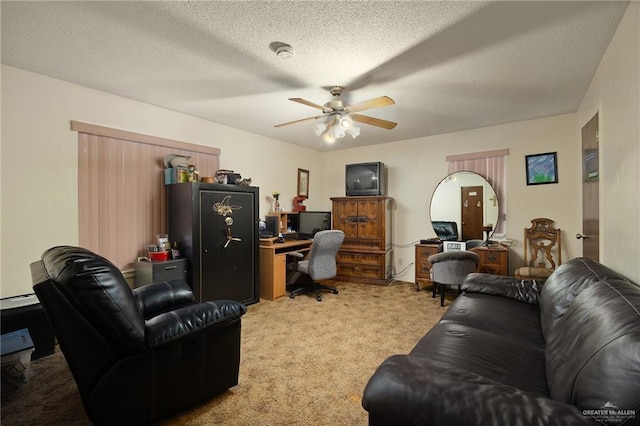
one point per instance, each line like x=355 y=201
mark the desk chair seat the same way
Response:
x=321 y=263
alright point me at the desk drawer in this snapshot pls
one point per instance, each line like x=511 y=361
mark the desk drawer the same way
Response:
x=151 y=272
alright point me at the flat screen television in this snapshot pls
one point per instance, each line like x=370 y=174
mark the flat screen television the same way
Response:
x=365 y=179
x=311 y=222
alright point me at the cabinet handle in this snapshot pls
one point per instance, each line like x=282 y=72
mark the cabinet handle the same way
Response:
x=492 y=257
x=168 y=268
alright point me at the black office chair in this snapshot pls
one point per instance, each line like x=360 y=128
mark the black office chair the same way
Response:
x=321 y=263
x=136 y=355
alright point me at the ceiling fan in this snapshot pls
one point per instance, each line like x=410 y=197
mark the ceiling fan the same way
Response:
x=341 y=116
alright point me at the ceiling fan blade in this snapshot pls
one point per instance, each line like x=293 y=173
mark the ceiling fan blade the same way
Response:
x=308 y=103
x=378 y=122
x=382 y=101
x=299 y=121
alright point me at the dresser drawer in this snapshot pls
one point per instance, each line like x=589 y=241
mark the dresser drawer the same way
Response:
x=493 y=261
x=150 y=272
x=349 y=270
x=370 y=259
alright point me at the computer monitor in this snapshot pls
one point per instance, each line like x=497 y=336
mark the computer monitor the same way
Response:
x=272 y=227
x=311 y=222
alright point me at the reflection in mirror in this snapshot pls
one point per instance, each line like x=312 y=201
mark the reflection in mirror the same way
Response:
x=464 y=206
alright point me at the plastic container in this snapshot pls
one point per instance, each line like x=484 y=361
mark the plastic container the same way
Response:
x=17 y=347
x=159 y=255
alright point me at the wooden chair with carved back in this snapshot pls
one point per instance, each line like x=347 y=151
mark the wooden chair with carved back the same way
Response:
x=542 y=250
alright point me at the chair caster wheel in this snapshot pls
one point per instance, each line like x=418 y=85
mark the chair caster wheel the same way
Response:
x=319 y=298
x=292 y=296
x=335 y=291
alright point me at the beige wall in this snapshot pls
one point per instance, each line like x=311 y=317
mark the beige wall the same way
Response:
x=416 y=167
x=38 y=174
x=615 y=94
x=39 y=161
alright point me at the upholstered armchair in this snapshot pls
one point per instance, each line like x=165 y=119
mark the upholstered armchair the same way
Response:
x=136 y=355
x=451 y=268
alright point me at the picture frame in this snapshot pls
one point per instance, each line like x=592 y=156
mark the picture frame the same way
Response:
x=542 y=168
x=303 y=183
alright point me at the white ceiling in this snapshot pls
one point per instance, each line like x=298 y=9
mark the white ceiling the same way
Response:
x=448 y=65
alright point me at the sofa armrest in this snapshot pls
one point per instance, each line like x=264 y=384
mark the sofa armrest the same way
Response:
x=411 y=390
x=174 y=324
x=162 y=296
x=527 y=291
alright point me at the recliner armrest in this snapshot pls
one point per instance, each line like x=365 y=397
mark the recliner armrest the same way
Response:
x=174 y=324
x=162 y=296
x=527 y=291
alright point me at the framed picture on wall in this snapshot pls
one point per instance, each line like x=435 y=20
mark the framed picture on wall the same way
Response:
x=303 y=183
x=541 y=168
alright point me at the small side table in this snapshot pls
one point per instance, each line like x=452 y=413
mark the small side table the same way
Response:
x=154 y=271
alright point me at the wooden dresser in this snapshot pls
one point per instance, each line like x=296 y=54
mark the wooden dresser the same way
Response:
x=366 y=253
x=493 y=260
x=422 y=265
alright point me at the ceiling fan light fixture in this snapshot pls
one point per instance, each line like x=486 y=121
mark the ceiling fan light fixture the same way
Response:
x=346 y=122
x=338 y=132
x=328 y=137
x=354 y=131
x=319 y=128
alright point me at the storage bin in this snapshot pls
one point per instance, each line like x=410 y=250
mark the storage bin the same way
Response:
x=16 y=349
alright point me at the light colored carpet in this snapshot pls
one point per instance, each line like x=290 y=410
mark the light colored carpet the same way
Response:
x=303 y=362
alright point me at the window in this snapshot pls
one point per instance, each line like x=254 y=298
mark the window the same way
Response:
x=121 y=194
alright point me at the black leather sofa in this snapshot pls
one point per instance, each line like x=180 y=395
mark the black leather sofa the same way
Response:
x=511 y=353
x=136 y=355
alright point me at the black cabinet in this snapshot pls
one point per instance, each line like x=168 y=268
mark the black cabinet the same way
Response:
x=216 y=227
x=151 y=272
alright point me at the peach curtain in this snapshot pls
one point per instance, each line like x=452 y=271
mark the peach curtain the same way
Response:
x=121 y=192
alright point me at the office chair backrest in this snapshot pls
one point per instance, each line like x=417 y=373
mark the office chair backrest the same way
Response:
x=322 y=258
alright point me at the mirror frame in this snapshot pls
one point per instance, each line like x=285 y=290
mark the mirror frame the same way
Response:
x=490 y=217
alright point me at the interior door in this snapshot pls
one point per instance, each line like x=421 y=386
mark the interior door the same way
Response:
x=590 y=190
x=472 y=216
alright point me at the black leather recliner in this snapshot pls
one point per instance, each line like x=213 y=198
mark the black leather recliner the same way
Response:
x=136 y=355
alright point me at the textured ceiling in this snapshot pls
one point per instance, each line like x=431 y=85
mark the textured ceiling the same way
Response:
x=448 y=65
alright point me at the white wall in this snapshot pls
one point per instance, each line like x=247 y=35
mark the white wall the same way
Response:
x=615 y=94
x=417 y=166
x=39 y=161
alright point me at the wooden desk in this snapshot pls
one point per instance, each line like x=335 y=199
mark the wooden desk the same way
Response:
x=273 y=266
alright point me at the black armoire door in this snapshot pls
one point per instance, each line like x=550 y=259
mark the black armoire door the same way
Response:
x=227 y=238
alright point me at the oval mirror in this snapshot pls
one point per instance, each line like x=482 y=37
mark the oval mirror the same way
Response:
x=464 y=206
